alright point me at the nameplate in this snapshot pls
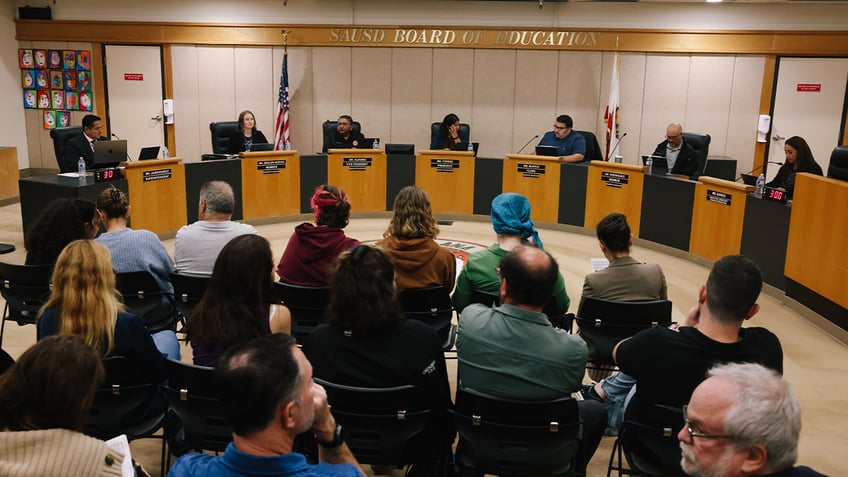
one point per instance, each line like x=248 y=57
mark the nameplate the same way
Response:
x=271 y=167
x=156 y=175
x=532 y=171
x=615 y=179
x=356 y=163
x=444 y=165
x=718 y=197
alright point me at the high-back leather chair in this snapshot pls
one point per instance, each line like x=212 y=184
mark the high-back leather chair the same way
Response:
x=327 y=130
x=838 y=168
x=701 y=144
x=464 y=134
x=221 y=135
x=60 y=136
x=593 y=149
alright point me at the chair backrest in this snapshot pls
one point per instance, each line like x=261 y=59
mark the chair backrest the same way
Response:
x=603 y=323
x=143 y=297
x=701 y=144
x=307 y=306
x=593 y=149
x=188 y=290
x=506 y=437
x=838 y=168
x=6 y=361
x=221 y=135
x=556 y=318
x=193 y=396
x=650 y=444
x=432 y=306
x=327 y=129
x=25 y=289
x=464 y=133
x=60 y=136
x=122 y=403
x=386 y=425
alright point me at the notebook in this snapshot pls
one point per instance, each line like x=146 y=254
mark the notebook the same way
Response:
x=148 y=153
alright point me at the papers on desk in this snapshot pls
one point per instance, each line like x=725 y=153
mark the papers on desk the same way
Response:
x=71 y=174
x=121 y=445
x=598 y=264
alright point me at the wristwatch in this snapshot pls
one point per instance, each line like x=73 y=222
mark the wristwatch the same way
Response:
x=335 y=442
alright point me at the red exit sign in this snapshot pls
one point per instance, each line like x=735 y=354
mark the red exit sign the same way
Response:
x=808 y=87
x=133 y=77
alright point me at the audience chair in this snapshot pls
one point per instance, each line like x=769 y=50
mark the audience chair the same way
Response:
x=389 y=426
x=516 y=438
x=126 y=404
x=143 y=297
x=327 y=129
x=593 y=149
x=307 y=306
x=838 y=167
x=432 y=306
x=60 y=136
x=188 y=291
x=557 y=319
x=6 y=361
x=221 y=135
x=194 y=398
x=701 y=143
x=24 y=288
x=464 y=133
x=650 y=447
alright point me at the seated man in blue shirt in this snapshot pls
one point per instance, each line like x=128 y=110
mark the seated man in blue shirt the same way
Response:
x=571 y=145
x=269 y=397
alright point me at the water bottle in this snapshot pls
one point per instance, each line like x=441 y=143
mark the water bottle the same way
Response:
x=650 y=163
x=761 y=183
x=376 y=144
x=288 y=146
x=166 y=154
x=81 y=167
x=470 y=146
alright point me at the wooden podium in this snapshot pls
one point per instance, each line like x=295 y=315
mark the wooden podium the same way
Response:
x=157 y=194
x=614 y=187
x=270 y=184
x=815 y=252
x=9 y=173
x=717 y=217
x=448 y=178
x=537 y=178
x=361 y=173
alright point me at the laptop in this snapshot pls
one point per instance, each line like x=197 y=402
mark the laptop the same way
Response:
x=147 y=153
x=660 y=165
x=552 y=151
x=748 y=179
x=109 y=153
x=463 y=146
x=367 y=143
x=261 y=147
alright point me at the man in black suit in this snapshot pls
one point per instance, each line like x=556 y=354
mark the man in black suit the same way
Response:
x=679 y=154
x=345 y=137
x=82 y=145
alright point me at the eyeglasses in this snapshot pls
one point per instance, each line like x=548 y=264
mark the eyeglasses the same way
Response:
x=557 y=128
x=674 y=137
x=702 y=435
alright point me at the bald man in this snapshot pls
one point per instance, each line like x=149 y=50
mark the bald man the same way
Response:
x=680 y=155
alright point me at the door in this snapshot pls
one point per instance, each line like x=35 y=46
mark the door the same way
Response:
x=809 y=102
x=134 y=94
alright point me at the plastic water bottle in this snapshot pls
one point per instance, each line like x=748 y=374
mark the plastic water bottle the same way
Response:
x=470 y=146
x=81 y=167
x=376 y=144
x=761 y=183
x=288 y=146
x=166 y=154
x=650 y=163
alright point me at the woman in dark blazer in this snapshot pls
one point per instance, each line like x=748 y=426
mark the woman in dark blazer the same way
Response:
x=245 y=135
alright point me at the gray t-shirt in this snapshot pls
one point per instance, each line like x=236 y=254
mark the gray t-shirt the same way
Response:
x=197 y=245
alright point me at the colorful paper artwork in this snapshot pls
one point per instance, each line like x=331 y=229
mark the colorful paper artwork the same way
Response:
x=57 y=99
x=84 y=80
x=57 y=81
x=54 y=59
x=63 y=118
x=69 y=59
x=70 y=80
x=41 y=79
x=49 y=120
x=43 y=99
x=30 y=99
x=25 y=59
x=28 y=78
x=83 y=60
x=85 y=102
x=40 y=58
x=72 y=100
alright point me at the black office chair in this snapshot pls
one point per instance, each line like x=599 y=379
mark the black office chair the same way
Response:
x=389 y=426
x=327 y=129
x=143 y=297
x=464 y=134
x=221 y=135
x=432 y=306
x=60 y=136
x=557 y=319
x=25 y=288
x=701 y=143
x=649 y=447
x=188 y=291
x=838 y=168
x=516 y=438
x=307 y=306
x=6 y=361
x=194 y=398
x=593 y=149
x=603 y=323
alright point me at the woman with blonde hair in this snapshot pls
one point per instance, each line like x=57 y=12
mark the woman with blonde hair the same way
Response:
x=84 y=302
x=419 y=261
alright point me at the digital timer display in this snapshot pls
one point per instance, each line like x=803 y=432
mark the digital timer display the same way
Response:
x=775 y=195
x=102 y=175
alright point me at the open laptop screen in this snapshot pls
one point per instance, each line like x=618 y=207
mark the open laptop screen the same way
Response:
x=547 y=151
x=148 y=153
x=109 y=153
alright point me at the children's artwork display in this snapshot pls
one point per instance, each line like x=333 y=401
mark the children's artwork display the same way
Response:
x=56 y=81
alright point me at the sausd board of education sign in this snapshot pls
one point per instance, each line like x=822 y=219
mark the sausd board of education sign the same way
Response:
x=464 y=37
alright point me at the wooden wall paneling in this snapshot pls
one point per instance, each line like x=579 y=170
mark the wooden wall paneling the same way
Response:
x=708 y=98
x=332 y=85
x=717 y=218
x=534 y=106
x=614 y=187
x=744 y=111
x=270 y=184
x=253 y=84
x=411 y=97
x=538 y=179
x=664 y=98
x=191 y=131
x=492 y=101
x=579 y=83
x=448 y=178
x=371 y=97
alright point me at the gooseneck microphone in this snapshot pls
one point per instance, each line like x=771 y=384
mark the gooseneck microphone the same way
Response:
x=129 y=159
x=527 y=143
x=617 y=143
x=758 y=168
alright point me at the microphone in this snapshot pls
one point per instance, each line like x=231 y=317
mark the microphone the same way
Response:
x=527 y=143
x=129 y=159
x=617 y=143
x=758 y=168
x=116 y=136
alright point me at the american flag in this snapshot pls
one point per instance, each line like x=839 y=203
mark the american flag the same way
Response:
x=281 y=132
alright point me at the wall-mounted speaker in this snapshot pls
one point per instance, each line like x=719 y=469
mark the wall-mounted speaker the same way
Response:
x=34 y=13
